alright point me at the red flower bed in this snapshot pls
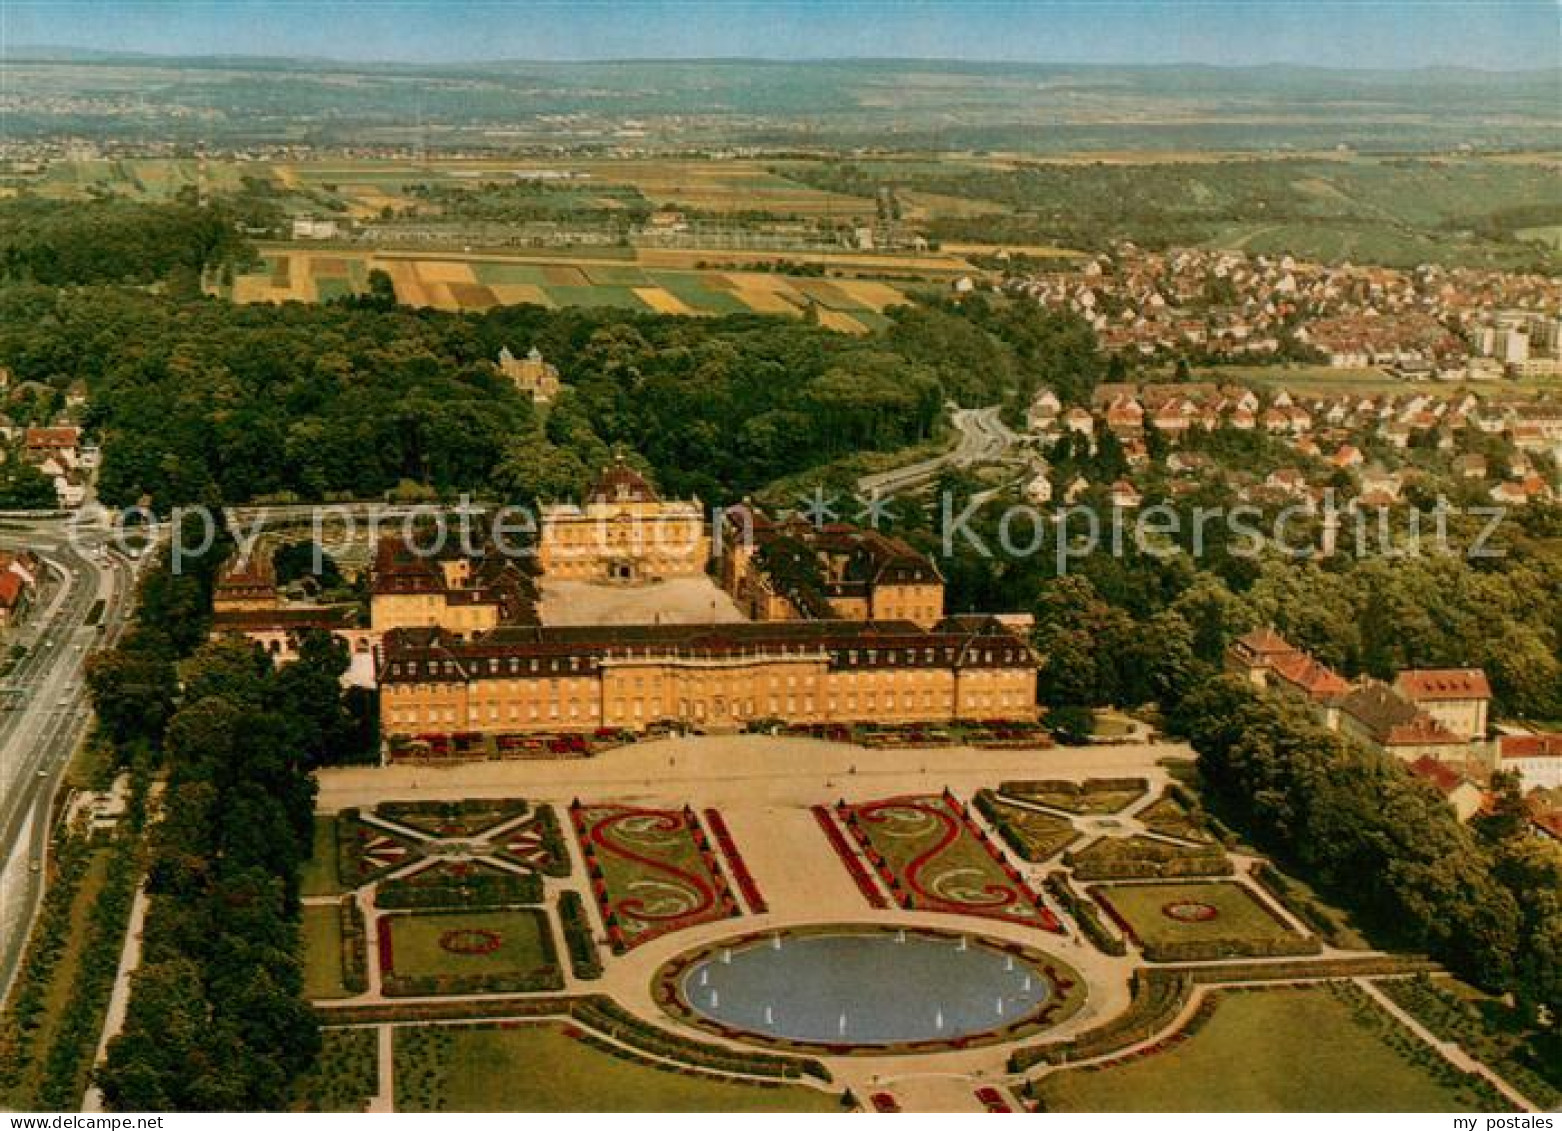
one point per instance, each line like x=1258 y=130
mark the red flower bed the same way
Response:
x=471 y=941
x=387 y=952
x=1189 y=911
x=740 y=873
x=859 y=874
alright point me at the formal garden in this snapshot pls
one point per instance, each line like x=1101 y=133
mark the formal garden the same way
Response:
x=1180 y=922
x=652 y=871
x=1031 y=834
x=1092 y=797
x=560 y=1066
x=467 y=952
x=930 y=856
x=1318 y=1048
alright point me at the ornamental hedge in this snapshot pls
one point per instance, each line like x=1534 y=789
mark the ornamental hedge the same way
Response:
x=579 y=939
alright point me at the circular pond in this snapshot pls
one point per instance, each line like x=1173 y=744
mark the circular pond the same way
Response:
x=867 y=987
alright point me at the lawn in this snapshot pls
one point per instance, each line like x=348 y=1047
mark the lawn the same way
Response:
x=470 y=952
x=1292 y=1050
x=541 y=1067
x=322 y=934
x=1225 y=916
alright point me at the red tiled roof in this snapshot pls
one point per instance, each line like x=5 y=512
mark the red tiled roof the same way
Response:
x=10 y=589
x=1530 y=746
x=1317 y=680
x=1443 y=776
x=1266 y=642
x=621 y=483
x=1440 y=684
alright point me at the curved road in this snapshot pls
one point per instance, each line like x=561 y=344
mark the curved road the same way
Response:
x=44 y=698
x=984 y=439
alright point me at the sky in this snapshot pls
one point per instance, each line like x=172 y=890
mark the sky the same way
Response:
x=1394 y=34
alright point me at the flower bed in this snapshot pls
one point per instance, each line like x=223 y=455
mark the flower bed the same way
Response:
x=848 y=857
x=365 y=852
x=652 y=871
x=537 y=843
x=740 y=873
x=459 y=883
x=1032 y=836
x=460 y=820
x=932 y=857
x=1092 y=797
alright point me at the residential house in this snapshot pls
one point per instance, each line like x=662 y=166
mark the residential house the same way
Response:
x=1464 y=795
x=1459 y=698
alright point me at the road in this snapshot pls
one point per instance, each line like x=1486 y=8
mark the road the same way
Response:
x=984 y=439
x=45 y=708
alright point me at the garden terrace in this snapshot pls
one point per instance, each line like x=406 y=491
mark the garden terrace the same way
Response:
x=1092 y=797
x=931 y=857
x=1185 y=922
x=464 y=952
x=1033 y=836
x=630 y=851
x=1145 y=858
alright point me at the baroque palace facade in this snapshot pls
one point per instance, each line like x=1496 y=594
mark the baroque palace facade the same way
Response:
x=556 y=678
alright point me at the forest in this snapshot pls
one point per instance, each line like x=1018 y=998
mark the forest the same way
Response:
x=195 y=400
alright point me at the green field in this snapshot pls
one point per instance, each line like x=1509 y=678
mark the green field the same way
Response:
x=318 y=876
x=1296 y=1050
x=1238 y=914
x=538 y=1067
x=322 y=933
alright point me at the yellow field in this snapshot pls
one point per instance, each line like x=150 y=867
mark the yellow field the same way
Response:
x=432 y=279
x=663 y=302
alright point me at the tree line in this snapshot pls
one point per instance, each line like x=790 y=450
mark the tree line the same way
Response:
x=217 y=1019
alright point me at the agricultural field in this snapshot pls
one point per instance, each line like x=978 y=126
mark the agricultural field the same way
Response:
x=1301 y=1050
x=852 y=306
x=557 y=1067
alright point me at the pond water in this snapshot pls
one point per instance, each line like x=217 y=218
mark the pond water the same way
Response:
x=865 y=987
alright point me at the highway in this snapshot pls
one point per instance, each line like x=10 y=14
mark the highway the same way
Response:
x=984 y=439
x=45 y=705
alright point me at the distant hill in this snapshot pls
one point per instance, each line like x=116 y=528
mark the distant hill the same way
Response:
x=845 y=102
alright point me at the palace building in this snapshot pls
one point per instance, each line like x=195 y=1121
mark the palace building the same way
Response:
x=795 y=570
x=451 y=590
x=625 y=533
x=582 y=678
